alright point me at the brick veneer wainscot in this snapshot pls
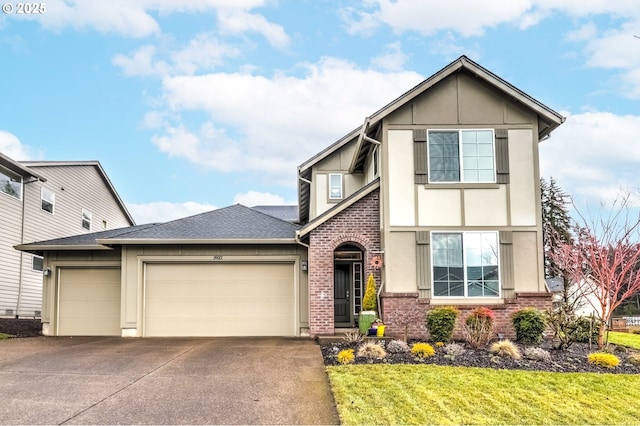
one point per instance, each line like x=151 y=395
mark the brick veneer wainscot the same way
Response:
x=359 y=225
x=405 y=301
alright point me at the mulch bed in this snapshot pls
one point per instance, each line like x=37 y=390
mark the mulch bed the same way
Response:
x=573 y=360
x=21 y=327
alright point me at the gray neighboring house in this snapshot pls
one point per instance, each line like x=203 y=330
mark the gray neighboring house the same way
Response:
x=41 y=200
x=436 y=194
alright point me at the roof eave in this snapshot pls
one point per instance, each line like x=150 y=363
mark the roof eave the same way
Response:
x=191 y=241
x=30 y=248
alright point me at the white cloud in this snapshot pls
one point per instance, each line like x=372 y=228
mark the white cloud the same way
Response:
x=273 y=124
x=393 y=59
x=254 y=198
x=594 y=155
x=135 y=18
x=11 y=146
x=239 y=22
x=470 y=17
x=165 y=211
x=203 y=53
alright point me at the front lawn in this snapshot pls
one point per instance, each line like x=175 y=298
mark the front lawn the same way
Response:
x=432 y=394
x=629 y=340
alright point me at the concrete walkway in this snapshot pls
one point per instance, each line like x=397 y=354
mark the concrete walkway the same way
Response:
x=94 y=380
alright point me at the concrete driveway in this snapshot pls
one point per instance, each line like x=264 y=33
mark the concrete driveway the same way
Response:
x=96 y=380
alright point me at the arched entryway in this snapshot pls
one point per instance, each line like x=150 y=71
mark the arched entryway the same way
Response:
x=347 y=284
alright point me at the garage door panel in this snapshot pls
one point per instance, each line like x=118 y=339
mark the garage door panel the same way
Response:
x=89 y=302
x=236 y=299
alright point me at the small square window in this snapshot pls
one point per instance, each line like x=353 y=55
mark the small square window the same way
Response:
x=335 y=187
x=86 y=219
x=48 y=198
x=37 y=263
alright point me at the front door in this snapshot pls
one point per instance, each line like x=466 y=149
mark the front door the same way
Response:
x=342 y=293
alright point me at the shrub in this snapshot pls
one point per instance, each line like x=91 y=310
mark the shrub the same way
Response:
x=603 y=359
x=454 y=349
x=529 y=325
x=441 y=322
x=422 y=350
x=369 y=301
x=439 y=344
x=586 y=329
x=371 y=350
x=634 y=360
x=398 y=347
x=345 y=356
x=353 y=337
x=478 y=327
x=505 y=349
x=537 y=354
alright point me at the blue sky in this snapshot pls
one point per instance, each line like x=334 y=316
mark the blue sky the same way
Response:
x=196 y=104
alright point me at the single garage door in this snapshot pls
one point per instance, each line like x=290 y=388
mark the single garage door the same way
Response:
x=219 y=299
x=89 y=302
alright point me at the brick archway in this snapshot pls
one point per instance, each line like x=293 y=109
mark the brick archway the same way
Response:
x=358 y=225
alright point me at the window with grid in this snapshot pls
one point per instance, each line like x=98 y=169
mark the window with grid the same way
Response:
x=465 y=264
x=461 y=156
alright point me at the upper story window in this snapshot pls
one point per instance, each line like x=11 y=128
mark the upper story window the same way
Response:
x=465 y=264
x=335 y=186
x=461 y=156
x=86 y=219
x=48 y=198
x=10 y=183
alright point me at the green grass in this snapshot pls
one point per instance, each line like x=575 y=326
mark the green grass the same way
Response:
x=629 y=340
x=430 y=394
x=4 y=336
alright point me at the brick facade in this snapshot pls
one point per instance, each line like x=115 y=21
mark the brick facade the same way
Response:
x=358 y=225
x=417 y=329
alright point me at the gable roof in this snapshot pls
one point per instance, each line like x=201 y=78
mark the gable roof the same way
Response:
x=548 y=120
x=344 y=204
x=101 y=172
x=18 y=168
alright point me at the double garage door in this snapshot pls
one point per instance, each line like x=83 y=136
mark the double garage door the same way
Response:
x=184 y=299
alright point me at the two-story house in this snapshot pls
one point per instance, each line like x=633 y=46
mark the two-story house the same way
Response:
x=43 y=200
x=436 y=194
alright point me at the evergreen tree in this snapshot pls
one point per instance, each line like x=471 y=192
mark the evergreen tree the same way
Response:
x=556 y=222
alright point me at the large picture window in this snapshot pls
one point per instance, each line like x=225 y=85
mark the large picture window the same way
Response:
x=461 y=156
x=465 y=264
x=10 y=183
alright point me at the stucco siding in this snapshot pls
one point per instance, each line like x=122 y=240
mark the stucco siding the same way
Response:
x=400 y=254
x=523 y=178
x=439 y=207
x=486 y=207
x=526 y=262
x=401 y=182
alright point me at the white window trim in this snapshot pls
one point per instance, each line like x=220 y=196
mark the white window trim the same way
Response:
x=460 y=156
x=464 y=266
x=35 y=256
x=90 y=219
x=7 y=173
x=52 y=201
x=341 y=187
